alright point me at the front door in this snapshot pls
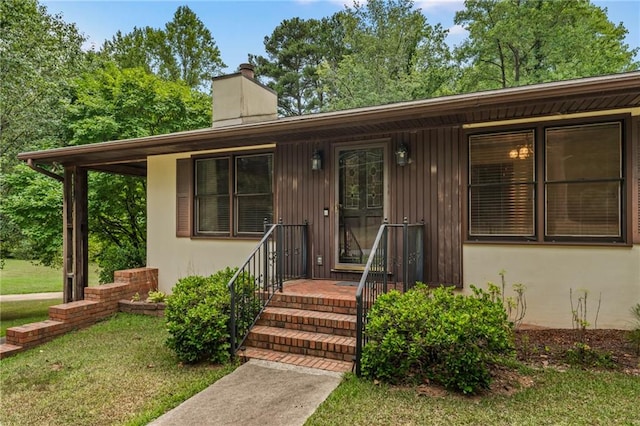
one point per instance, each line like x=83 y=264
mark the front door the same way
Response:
x=361 y=201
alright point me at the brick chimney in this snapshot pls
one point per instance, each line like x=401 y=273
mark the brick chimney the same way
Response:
x=240 y=99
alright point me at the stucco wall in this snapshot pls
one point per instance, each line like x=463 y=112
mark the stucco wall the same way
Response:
x=549 y=272
x=180 y=257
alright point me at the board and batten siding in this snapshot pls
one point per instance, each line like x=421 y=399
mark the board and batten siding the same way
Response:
x=428 y=189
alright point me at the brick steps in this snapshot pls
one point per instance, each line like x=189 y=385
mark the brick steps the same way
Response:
x=336 y=304
x=302 y=342
x=296 y=359
x=312 y=321
x=310 y=330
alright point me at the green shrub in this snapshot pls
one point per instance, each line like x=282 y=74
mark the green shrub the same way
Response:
x=197 y=315
x=156 y=297
x=634 y=334
x=118 y=258
x=437 y=335
x=582 y=355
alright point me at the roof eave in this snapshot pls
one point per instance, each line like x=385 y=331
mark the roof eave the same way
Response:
x=228 y=136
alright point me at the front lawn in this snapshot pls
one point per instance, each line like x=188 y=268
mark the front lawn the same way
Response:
x=573 y=397
x=116 y=372
x=22 y=276
x=24 y=312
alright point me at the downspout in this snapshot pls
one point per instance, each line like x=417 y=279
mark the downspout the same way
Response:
x=45 y=172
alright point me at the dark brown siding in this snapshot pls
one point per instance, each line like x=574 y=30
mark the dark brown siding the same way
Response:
x=429 y=190
x=426 y=189
x=184 y=179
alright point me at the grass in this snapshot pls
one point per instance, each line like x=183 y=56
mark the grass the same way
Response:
x=116 y=372
x=575 y=397
x=22 y=277
x=24 y=312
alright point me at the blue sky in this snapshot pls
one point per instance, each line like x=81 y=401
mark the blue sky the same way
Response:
x=239 y=27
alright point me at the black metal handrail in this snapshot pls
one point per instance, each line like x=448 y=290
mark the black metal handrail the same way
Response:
x=407 y=259
x=281 y=255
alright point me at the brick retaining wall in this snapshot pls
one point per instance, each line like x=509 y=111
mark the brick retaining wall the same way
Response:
x=99 y=302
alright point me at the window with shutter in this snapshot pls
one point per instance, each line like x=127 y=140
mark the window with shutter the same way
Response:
x=230 y=195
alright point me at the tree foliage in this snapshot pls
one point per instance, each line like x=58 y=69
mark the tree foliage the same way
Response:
x=53 y=94
x=295 y=50
x=393 y=55
x=184 y=50
x=39 y=54
x=32 y=216
x=110 y=104
x=518 y=42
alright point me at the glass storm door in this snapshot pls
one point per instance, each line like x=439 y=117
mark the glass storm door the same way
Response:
x=361 y=190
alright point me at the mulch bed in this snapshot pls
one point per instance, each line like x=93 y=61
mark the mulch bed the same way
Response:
x=548 y=347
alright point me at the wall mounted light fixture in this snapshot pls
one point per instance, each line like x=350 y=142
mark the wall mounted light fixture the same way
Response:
x=316 y=160
x=402 y=155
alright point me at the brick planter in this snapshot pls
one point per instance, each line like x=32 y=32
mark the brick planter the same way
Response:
x=142 y=308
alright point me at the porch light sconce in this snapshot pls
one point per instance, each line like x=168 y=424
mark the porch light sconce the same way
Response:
x=402 y=155
x=316 y=160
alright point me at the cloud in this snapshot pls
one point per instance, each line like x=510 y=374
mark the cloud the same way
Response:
x=457 y=30
x=440 y=5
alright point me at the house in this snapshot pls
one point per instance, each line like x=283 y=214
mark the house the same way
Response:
x=542 y=181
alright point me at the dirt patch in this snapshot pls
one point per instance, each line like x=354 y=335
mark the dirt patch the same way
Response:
x=549 y=348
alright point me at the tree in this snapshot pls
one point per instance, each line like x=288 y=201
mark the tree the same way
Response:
x=137 y=49
x=196 y=55
x=110 y=104
x=394 y=55
x=39 y=54
x=295 y=50
x=184 y=50
x=517 y=42
x=31 y=214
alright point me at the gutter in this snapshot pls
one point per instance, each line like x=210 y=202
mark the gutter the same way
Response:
x=45 y=172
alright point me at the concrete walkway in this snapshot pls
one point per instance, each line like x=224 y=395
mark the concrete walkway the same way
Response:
x=257 y=393
x=31 y=296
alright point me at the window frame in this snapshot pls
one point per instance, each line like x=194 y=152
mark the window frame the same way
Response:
x=232 y=158
x=548 y=182
x=540 y=199
x=513 y=184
